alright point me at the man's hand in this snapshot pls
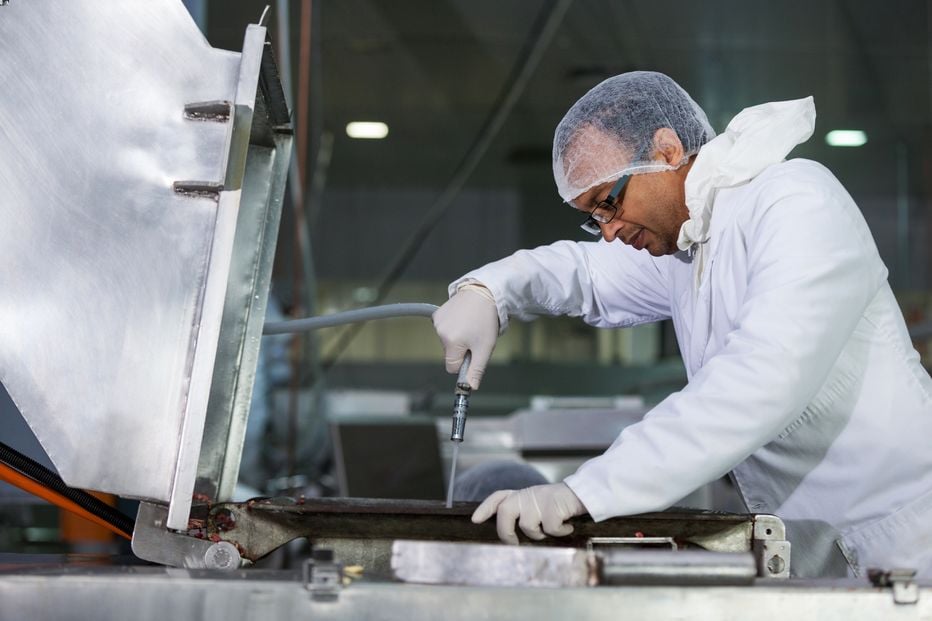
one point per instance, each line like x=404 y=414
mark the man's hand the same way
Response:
x=468 y=322
x=540 y=510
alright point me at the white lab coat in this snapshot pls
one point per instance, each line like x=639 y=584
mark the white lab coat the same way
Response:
x=803 y=381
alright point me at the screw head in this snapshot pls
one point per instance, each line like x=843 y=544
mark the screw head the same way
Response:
x=222 y=555
x=776 y=564
x=224 y=519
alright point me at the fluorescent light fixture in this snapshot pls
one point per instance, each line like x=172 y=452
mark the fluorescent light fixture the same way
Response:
x=367 y=129
x=845 y=138
x=364 y=295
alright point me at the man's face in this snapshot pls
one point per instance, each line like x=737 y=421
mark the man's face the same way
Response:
x=651 y=208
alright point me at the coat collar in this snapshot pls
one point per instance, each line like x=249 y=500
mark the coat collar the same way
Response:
x=755 y=139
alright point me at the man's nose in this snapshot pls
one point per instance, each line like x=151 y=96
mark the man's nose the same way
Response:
x=610 y=230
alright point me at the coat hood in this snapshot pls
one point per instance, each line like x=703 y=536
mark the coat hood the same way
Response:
x=756 y=138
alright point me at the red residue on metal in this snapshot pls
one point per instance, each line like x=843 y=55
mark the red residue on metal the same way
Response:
x=215 y=538
x=639 y=534
x=224 y=520
x=301 y=500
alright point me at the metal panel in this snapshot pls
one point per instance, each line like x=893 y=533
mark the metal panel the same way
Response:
x=215 y=289
x=263 y=184
x=156 y=594
x=120 y=209
x=471 y=564
x=431 y=562
x=237 y=353
x=363 y=529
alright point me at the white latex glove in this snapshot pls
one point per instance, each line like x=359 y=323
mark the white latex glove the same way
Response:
x=547 y=506
x=468 y=322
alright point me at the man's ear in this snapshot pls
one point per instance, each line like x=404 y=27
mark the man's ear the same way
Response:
x=667 y=145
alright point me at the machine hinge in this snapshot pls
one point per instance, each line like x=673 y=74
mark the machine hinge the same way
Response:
x=770 y=547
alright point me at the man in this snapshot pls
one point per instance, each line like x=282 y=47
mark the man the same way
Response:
x=802 y=378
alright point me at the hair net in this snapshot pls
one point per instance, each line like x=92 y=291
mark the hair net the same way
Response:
x=609 y=131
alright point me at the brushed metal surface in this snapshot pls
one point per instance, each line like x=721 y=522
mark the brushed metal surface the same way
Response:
x=105 y=266
x=266 y=142
x=477 y=564
x=214 y=325
x=155 y=594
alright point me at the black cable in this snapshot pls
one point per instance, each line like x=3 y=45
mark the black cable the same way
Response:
x=39 y=473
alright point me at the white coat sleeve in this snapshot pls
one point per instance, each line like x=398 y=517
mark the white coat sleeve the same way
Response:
x=813 y=269
x=606 y=284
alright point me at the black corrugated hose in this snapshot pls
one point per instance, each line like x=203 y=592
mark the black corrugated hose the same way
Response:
x=39 y=473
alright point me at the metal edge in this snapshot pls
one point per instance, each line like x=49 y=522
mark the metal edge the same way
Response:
x=253 y=324
x=195 y=415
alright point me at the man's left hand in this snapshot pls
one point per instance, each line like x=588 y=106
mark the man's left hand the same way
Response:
x=540 y=510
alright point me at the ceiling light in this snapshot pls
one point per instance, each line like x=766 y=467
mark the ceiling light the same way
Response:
x=366 y=129
x=845 y=138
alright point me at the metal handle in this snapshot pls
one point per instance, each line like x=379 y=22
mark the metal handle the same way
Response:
x=461 y=401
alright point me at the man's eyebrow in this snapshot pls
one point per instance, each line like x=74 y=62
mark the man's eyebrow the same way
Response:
x=595 y=197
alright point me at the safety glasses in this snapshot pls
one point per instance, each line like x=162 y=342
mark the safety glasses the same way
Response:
x=606 y=210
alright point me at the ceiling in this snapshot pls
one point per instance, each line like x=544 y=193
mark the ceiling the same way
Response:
x=436 y=70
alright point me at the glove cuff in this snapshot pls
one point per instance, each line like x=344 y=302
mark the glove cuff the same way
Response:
x=478 y=288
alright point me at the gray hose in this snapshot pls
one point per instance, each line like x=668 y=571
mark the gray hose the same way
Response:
x=354 y=316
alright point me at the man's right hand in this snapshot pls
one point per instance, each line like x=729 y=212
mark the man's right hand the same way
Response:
x=468 y=322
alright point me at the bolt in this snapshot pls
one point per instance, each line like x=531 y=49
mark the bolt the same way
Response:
x=224 y=519
x=223 y=555
x=776 y=565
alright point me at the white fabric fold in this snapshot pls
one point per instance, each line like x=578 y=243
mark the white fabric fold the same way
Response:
x=755 y=139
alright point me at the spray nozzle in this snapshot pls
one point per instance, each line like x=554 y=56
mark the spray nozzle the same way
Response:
x=461 y=401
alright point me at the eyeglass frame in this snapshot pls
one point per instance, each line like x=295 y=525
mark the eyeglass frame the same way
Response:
x=591 y=225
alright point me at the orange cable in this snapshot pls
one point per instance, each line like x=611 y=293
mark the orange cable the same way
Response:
x=25 y=483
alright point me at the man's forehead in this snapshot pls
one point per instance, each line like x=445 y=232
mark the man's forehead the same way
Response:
x=586 y=201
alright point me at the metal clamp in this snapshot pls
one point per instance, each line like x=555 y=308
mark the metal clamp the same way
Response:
x=217 y=111
x=905 y=591
x=658 y=560
x=770 y=547
x=323 y=576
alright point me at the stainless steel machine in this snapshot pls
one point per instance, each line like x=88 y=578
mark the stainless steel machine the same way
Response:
x=141 y=182
x=142 y=177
